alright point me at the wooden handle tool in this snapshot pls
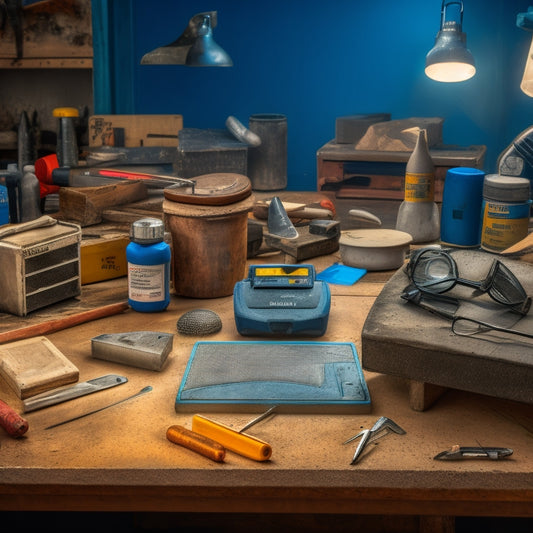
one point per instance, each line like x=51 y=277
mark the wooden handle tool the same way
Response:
x=197 y=443
x=240 y=443
x=11 y=421
x=44 y=328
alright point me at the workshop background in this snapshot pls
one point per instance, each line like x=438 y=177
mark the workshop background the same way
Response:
x=316 y=61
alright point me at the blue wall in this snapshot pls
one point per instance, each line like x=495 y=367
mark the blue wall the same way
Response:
x=316 y=60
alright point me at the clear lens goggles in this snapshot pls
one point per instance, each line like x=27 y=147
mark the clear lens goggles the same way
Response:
x=435 y=271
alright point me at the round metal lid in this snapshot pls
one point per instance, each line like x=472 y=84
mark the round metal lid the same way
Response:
x=374 y=238
x=147 y=231
x=211 y=189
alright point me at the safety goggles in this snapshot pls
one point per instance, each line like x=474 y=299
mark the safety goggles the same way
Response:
x=435 y=271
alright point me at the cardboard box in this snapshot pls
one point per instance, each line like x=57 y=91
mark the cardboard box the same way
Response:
x=104 y=258
x=134 y=130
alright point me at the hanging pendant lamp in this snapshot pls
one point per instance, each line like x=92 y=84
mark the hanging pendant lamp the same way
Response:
x=450 y=60
x=195 y=47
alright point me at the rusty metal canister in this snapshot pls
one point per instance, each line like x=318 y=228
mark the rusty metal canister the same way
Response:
x=209 y=245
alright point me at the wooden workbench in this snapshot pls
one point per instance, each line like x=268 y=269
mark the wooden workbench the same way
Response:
x=120 y=460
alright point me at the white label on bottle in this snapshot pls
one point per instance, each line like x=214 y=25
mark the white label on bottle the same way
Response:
x=146 y=283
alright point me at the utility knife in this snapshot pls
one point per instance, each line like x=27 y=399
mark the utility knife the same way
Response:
x=457 y=453
x=46 y=399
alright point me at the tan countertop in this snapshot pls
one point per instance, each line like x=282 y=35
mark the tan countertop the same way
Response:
x=119 y=459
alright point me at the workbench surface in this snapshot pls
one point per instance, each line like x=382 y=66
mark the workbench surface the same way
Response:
x=120 y=460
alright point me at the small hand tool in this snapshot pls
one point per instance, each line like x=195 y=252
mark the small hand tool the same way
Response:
x=457 y=453
x=196 y=442
x=46 y=399
x=258 y=419
x=379 y=429
x=11 y=421
x=237 y=442
x=142 y=391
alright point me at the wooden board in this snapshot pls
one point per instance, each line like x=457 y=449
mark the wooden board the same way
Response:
x=84 y=205
x=138 y=130
x=35 y=365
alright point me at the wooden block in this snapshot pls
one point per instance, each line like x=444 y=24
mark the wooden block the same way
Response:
x=85 y=205
x=35 y=365
x=423 y=395
x=139 y=130
x=305 y=246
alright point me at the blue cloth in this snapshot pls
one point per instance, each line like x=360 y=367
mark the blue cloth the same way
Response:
x=341 y=275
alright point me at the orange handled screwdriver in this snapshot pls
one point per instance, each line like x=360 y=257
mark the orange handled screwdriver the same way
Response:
x=235 y=441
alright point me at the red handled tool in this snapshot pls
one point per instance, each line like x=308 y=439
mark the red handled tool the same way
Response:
x=11 y=421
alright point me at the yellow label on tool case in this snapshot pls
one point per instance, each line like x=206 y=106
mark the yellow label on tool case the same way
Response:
x=279 y=271
x=419 y=187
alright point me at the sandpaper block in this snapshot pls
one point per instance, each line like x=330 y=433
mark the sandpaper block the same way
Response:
x=142 y=349
x=32 y=366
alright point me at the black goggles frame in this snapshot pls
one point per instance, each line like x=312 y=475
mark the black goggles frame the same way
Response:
x=435 y=271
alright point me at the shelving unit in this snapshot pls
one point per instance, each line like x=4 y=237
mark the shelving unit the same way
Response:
x=55 y=68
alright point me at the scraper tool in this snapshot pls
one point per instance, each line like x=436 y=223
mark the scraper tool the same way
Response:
x=46 y=399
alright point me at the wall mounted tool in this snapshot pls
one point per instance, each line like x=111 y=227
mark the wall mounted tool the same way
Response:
x=54 y=397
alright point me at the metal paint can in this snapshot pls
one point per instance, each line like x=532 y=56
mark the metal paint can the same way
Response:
x=267 y=162
x=505 y=211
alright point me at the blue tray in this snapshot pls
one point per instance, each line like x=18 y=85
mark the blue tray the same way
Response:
x=249 y=376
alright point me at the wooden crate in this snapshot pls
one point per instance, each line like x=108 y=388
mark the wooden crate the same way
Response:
x=355 y=173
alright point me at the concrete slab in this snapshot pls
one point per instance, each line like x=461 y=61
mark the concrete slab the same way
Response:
x=402 y=339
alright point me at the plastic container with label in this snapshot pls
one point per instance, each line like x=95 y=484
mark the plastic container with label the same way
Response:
x=505 y=211
x=148 y=257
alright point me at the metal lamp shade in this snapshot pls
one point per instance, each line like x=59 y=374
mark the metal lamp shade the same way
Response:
x=449 y=60
x=195 y=47
x=205 y=52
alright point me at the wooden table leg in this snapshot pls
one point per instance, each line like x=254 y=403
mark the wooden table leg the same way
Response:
x=423 y=395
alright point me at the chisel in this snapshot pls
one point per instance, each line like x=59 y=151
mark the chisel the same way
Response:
x=46 y=399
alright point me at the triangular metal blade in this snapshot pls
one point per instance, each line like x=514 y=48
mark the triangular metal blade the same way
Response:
x=279 y=223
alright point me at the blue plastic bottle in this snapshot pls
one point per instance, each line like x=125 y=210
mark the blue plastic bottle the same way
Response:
x=148 y=259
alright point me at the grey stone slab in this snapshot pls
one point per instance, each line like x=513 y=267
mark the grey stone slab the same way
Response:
x=401 y=339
